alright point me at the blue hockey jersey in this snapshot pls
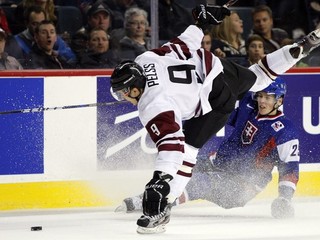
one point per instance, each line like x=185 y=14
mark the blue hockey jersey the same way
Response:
x=259 y=143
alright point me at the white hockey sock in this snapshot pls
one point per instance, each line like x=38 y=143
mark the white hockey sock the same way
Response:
x=272 y=65
x=181 y=179
x=280 y=61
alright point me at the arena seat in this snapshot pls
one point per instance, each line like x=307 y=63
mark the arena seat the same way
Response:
x=70 y=19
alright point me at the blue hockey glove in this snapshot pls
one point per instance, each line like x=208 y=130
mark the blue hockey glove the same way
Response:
x=282 y=207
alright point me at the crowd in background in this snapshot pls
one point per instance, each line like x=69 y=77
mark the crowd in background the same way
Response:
x=109 y=31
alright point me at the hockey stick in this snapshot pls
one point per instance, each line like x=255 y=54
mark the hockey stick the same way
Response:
x=228 y=4
x=42 y=109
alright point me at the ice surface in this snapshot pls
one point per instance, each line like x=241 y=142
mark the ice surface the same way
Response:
x=197 y=220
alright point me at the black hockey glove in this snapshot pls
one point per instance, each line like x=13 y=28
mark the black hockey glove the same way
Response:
x=206 y=15
x=155 y=194
x=282 y=207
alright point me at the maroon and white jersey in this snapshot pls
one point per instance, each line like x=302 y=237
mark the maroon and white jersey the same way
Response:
x=179 y=80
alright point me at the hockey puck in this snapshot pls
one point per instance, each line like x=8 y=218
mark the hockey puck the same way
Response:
x=36 y=228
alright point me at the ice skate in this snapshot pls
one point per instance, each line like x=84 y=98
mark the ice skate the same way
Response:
x=154 y=224
x=310 y=42
x=131 y=204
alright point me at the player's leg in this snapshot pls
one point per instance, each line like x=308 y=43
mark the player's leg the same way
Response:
x=238 y=78
x=199 y=130
x=227 y=88
x=184 y=174
x=281 y=60
x=131 y=204
x=155 y=204
x=226 y=189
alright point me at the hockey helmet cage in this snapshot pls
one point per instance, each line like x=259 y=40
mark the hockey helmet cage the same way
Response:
x=127 y=74
x=278 y=88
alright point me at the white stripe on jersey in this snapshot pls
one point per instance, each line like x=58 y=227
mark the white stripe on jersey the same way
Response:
x=289 y=151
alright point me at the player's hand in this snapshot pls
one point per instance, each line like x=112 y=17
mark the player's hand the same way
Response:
x=282 y=208
x=206 y=15
x=155 y=194
x=219 y=53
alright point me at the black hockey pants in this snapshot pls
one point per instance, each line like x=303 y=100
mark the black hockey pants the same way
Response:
x=227 y=88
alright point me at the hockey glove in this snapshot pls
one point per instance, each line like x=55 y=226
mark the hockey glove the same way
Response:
x=206 y=15
x=282 y=207
x=154 y=197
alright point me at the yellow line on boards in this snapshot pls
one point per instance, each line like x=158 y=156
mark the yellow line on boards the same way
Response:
x=59 y=194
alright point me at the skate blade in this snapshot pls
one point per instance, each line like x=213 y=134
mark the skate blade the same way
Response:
x=155 y=230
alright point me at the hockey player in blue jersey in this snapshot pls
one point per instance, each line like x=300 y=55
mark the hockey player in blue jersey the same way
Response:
x=262 y=138
x=184 y=96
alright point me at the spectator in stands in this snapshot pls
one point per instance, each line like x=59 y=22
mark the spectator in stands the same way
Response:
x=98 y=55
x=20 y=46
x=206 y=41
x=7 y=62
x=313 y=8
x=263 y=26
x=173 y=18
x=285 y=11
x=42 y=54
x=4 y=22
x=47 y=5
x=98 y=15
x=227 y=39
x=255 y=49
x=119 y=7
x=135 y=42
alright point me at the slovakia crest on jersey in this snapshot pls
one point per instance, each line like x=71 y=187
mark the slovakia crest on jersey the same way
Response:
x=248 y=133
x=277 y=126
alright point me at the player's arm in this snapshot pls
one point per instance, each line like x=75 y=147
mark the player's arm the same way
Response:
x=288 y=168
x=281 y=60
x=190 y=39
x=167 y=134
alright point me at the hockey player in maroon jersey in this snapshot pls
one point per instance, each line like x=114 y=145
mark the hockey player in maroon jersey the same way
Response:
x=184 y=96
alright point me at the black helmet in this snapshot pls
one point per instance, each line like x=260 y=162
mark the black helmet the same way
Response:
x=127 y=74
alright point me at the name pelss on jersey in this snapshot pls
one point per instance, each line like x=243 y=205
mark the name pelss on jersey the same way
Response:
x=151 y=74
